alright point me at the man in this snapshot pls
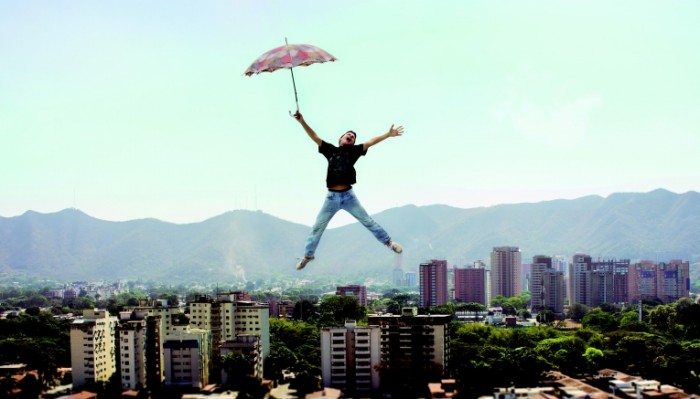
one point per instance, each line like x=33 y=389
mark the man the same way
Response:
x=339 y=179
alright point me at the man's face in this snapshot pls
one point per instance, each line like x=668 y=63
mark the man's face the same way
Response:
x=347 y=139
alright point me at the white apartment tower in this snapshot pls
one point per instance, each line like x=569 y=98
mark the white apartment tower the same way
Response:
x=163 y=314
x=92 y=347
x=238 y=326
x=253 y=318
x=187 y=352
x=228 y=318
x=131 y=341
x=350 y=356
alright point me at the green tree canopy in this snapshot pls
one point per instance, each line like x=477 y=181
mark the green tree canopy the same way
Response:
x=578 y=311
x=600 y=320
x=335 y=310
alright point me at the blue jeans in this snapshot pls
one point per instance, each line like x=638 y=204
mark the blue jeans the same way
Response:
x=334 y=202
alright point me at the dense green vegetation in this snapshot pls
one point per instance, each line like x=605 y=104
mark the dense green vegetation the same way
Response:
x=664 y=345
x=37 y=339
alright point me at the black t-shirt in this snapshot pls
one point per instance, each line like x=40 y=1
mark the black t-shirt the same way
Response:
x=341 y=161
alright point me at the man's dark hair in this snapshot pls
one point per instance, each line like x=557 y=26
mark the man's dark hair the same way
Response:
x=349 y=131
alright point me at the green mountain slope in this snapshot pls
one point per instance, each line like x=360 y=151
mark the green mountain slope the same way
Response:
x=245 y=245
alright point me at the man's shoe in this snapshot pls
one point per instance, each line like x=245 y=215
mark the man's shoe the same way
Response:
x=304 y=261
x=394 y=246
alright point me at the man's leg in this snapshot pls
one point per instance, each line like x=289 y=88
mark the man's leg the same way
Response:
x=330 y=207
x=351 y=204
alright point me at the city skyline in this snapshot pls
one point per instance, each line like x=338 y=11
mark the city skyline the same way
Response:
x=133 y=110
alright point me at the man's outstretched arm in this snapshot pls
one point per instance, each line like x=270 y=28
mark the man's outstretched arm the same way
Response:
x=393 y=132
x=308 y=128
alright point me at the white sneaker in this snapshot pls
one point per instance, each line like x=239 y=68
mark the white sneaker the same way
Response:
x=394 y=246
x=304 y=261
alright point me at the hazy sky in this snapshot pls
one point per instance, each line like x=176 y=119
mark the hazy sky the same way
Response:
x=139 y=109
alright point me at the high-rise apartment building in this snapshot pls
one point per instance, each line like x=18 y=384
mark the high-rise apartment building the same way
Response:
x=546 y=285
x=665 y=281
x=350 y=357
x=506 y=271
x=187 y=353
x=412 y=344
x=238 y=326
x=593 y=283
x=131 y=353
x=160 y=312
x=410 y=279
x=253 y=318
x=579 y=289
x=561 y=264
x=433 y=283
x=248 y=345
x=228 y=317
x=472 y=284
x=92 y=347
x=358 y=292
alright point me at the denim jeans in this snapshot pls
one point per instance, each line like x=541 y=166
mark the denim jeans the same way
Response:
x=334 y=202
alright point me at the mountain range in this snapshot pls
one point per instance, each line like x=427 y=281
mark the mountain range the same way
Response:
x=245 y=245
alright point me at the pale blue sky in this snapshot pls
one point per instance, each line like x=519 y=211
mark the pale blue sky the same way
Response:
x=137 y=109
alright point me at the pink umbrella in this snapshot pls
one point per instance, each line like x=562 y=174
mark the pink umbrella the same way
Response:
x=289 y=56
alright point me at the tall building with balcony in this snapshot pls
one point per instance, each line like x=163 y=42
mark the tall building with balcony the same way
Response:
x=506 y=272
x=593 y=283
x=350 y=357
x=546 y=285
x=92 y=347
x=472 y=284
x=433 y=283
x=412 y=344
x=248 y=345
x=131 y=353
x=160 y=318
x=358 y=292
x=667 y=282
x=233 y=324
x=579 y=289
x=187 y=353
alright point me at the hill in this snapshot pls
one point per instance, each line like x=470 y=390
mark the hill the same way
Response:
x=247 y=245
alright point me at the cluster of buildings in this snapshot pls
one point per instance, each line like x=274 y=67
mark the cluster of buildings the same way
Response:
x=606 y=384
x=152 y=345
x=353 y=356
x=149 y=346
x=551 y=280
x=95 y=290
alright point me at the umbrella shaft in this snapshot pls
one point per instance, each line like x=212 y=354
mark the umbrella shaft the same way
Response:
x=296 y=98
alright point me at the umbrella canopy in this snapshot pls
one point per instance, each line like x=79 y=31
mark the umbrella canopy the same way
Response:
x=288 y=56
